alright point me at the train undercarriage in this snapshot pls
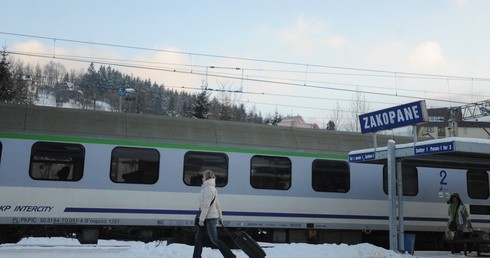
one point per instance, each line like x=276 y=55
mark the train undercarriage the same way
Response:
x=185 y=235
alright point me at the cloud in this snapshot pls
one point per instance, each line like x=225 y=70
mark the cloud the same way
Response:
x=34 y=52
x=28 y=50
x=388 y=55
x=30 y=46
x=170 y=67
x=427 y=56
x=166 y=66
x=307 y=36
x=462 y=2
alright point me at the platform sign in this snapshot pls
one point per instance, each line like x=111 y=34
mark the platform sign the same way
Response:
x=362 y=157
x=394 y=117
x=434 y=148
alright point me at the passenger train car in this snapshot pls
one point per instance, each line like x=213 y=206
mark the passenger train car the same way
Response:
x=93 y=175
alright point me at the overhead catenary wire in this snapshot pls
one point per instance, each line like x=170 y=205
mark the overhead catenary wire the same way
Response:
x=193 y=68
x=249 y=79
x=125 y=62
x=247 y=59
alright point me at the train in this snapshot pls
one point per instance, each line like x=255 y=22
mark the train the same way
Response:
x=114 y=175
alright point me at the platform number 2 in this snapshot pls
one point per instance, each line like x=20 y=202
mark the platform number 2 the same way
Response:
x=443 y=175
x=443 y=191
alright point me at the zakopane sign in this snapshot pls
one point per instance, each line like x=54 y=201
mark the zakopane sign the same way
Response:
x=394 y=117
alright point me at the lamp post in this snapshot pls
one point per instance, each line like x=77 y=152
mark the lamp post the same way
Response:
x=128 y=93
x=122 y=92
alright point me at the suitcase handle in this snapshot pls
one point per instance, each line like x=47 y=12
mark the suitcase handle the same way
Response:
x=227 y=231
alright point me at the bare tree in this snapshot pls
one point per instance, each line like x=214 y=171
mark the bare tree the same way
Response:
x=359 y=106
x=228 y=100
x=54 y=73
x=336 y=118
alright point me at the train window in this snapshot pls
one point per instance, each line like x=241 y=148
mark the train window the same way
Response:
x=410 y=180
x=477 y=181
x=195 y=163
x=57 y=161
x=268 y=172
x=0 y=151
x=134 y=165
x=330 y=176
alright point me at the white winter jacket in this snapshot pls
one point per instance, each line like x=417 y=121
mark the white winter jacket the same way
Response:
x=208 y=192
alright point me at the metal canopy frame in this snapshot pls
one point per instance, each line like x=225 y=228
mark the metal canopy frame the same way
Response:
x=452 y=152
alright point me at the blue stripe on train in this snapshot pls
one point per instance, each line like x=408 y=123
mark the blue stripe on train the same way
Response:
x=251 y=214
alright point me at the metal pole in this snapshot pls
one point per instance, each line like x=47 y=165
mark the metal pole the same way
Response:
x=414 y=129
x=375 y=142
x=401 y=234
x=391 y=195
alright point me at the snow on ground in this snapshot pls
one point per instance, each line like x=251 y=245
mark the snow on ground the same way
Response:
x=70 y=248
x=49 y=100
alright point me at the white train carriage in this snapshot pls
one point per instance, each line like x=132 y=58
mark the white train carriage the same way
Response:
x=131 y=176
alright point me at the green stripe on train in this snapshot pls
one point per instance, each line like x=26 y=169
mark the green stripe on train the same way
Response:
x=165 y=145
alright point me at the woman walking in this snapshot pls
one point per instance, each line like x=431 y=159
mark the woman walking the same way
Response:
x=210 y=215
x=458 y=217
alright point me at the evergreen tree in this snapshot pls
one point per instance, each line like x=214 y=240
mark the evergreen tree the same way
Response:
x=104 y=84
x=274 y=120
x=201 y=105
x=187 y=105
x=171 y=105
x=240 y=113
x=225 y=113
x=19 y=81
x=7 y=90
x=214 y=109
x=254 y=117
x=88 y=86
x=38 y=75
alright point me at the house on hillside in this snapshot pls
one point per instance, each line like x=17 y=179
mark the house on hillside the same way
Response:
x=296 y=121
x=66 y=91
x=440 y=125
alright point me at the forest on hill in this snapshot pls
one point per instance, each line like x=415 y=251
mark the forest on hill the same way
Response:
x=22 y=83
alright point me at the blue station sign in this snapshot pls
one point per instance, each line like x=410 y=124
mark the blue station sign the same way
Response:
x=394 y=117
x=434 y=148
x=362 y=157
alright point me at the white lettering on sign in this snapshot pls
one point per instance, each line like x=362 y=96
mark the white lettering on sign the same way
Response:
x=391 y=117
x=362 y=157
x=434 y=148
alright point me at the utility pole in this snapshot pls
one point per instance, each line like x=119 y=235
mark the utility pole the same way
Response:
x=453 y=123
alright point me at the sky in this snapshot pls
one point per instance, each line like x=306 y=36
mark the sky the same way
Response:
x=68 y=248
x=309 y=58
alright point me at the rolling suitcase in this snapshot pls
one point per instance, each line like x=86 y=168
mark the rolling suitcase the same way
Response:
x=248 y=245
x=481 y=240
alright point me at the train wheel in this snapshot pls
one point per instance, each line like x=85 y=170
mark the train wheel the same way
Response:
x=88 y=236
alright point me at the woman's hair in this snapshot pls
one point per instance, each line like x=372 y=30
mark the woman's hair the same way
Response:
x=455 y=197
x=208 y=174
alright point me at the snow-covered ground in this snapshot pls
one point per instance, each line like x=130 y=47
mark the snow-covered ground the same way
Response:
x=70 y=248
x=49 y=100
